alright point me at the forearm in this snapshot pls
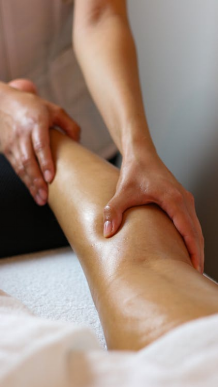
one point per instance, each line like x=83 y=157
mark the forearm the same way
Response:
x=107 y=55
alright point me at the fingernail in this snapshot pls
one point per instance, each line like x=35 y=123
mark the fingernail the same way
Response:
x=199 y=269
x=48 y=176
x=43 y=194
x=39 y=200
x=107 y=228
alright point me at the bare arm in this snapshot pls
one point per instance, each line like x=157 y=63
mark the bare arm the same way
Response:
x=106 y=52
x=107 y=55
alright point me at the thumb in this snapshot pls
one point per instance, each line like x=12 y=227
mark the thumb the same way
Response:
x=113 y=214
x=67 y=124
x=23 y=85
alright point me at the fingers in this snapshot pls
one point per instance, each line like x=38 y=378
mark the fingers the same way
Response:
x=41 y=139
x=24 y=163
x=41 y=146
x=31 y=158
x=29 y=142
x=197 y=226
x=29 y=171
x=179 y=206
x=182 y=212
x=65 y=122
x=23 y=85
x=40 y=150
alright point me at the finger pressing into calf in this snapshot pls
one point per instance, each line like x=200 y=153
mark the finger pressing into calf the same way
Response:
x=174 y=204
x=66 y=123
x=41 y=146
x=113 y=213
x=20 y=171
x=37 y=185
x=184 y=223
x=197 y=226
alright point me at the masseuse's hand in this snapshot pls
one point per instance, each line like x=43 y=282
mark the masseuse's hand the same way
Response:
x=147 y=180
x=25 y=120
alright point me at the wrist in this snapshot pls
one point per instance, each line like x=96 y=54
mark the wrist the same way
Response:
x=137 y=143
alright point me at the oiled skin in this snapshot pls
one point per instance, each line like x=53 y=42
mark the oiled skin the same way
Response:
x=142 y=281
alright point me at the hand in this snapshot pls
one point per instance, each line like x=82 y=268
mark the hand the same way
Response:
x=25 y=120
x=147 y=180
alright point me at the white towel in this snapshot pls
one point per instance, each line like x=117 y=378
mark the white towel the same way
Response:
x=41 y=353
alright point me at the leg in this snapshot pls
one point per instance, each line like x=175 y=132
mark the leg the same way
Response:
x=141 y=280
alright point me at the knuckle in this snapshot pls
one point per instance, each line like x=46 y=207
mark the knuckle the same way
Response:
x=39 y=146
x=175 y=195
x=20 y=171
x=59 y=110
x=45 y=164
x=26 y=160
x=190 y=197
x=108 y=212
x=194 y=236
x=190 y=238
x=6 y=147
x=19 y=131
x=32 y=189
x=38 y=182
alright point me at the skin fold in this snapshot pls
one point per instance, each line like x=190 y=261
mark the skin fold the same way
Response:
x=142 y=280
